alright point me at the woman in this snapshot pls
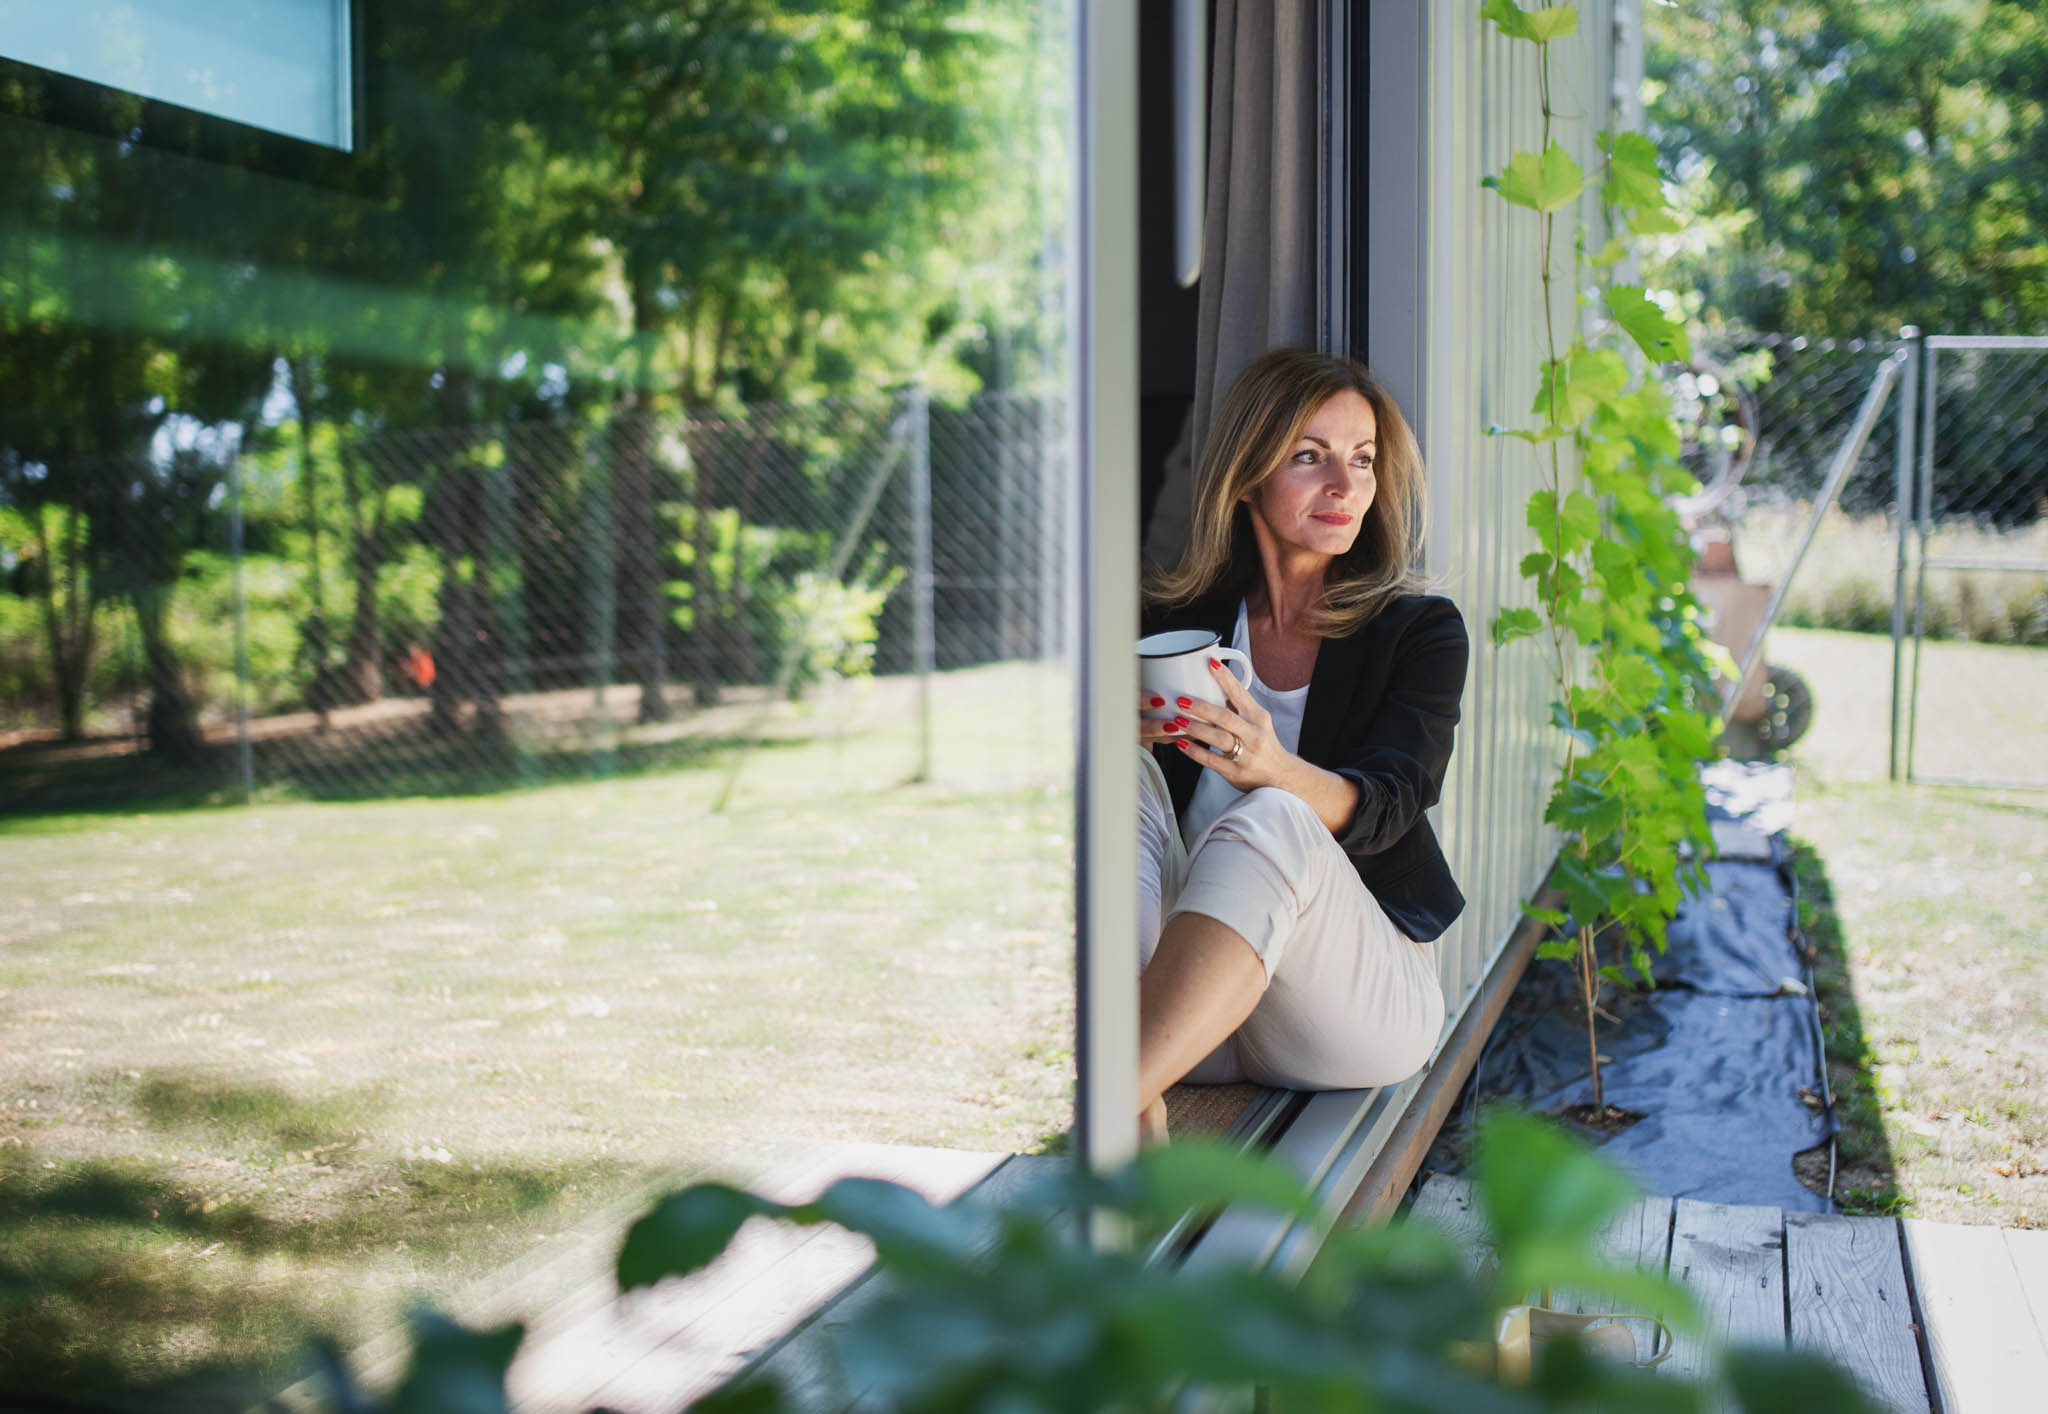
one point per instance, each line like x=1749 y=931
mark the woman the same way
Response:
x=1292 y=886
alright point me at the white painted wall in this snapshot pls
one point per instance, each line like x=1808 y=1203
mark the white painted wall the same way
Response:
x=1455 y=322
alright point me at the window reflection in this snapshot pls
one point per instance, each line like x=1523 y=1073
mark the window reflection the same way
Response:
x=531 y=656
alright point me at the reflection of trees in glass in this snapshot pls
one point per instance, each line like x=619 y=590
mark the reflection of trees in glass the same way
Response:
x=589 y=218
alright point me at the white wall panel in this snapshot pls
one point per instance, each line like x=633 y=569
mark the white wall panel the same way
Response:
x=1475 y=343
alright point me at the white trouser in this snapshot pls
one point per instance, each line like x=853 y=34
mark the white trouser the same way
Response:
x=1350 y=1000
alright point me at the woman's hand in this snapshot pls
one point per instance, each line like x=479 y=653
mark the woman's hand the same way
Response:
x=1234 y=740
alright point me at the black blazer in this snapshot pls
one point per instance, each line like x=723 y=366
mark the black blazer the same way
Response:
x=1382 y=706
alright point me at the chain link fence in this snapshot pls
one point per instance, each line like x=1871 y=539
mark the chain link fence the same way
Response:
x=1967 y=430
x=350 y=613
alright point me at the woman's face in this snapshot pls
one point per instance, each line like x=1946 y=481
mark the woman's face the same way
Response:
x=1318 y=499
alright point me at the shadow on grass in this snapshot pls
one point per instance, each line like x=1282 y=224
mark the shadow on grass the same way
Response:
x=109 y=777
x=118 y=1289
x=1865 y=1183
x=258 y=1114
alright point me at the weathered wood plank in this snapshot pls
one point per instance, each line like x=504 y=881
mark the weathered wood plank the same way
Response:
x=803 y=1362
x=2029 y=1253
x=1731 y=1260
x=1845 y=1284
x=1639 y=1236
x=1449 y=1205
x=589 y=1329
x=1983 y=1344
x=684 y=1338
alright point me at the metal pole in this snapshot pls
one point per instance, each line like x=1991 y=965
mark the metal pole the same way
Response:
x=1902 y=479
x=1930 y=403
x=245 y=752
x=923 y=630
x=1838 y=474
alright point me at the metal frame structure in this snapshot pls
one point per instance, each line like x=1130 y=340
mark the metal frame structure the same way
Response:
x=1926 y=354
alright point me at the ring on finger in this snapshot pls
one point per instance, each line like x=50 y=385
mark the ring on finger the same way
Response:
x=1236 y=748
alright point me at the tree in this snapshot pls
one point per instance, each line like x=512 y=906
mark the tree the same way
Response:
x=1849 y=168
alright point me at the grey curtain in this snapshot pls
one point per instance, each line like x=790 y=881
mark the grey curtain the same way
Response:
x=1258 y=284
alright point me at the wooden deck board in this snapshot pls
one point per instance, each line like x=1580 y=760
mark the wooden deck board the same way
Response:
x=2029 y=1253
x=1985 y=1347
x=1450 y=1206
x=1845 y=1282
x=684 y=1338
x=1731 y=1260
x=803 y=1361
x=1639 y=1237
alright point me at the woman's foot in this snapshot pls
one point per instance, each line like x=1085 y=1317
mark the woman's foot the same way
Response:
x=1152 y=1124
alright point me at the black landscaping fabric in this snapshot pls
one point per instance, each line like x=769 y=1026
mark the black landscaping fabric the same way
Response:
x=1721 y=1058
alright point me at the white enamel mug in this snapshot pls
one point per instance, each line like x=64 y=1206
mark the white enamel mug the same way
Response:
x=1176 y=664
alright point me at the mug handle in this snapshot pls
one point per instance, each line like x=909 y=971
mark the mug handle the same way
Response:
x=1232 y=656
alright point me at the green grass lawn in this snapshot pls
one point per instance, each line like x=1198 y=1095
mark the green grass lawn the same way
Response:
x=1930 y=908
x=284 y=1068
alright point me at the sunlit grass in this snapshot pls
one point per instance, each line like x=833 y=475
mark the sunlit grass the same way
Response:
x=1933 y=931
x=284 y=1068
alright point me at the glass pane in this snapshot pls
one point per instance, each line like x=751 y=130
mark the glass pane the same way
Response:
x=532 y=660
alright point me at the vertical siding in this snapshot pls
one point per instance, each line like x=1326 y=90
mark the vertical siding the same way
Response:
x=1482 y=333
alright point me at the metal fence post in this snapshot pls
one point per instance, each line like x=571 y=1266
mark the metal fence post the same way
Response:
x=1923 y=513
x=1902 y=467
x=923 y=631
x=245 y=753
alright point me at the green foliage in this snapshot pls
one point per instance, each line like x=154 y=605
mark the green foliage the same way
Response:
x=1007 y=1310
x=829 y=625
x=1850 y=167
x=1627 y=657
x=565 y=220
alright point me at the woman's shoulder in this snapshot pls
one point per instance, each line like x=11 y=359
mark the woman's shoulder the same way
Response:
x=1406 y=615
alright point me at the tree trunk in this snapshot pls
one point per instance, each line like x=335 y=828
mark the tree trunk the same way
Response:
x=67 y=625
x=323 y=690
x=642 y=594
x=173 y=717
x=362 y=668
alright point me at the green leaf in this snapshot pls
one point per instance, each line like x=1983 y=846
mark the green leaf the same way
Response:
x=1569 y=390
x=907 y=1229
x=1609 y=255
x=1540 y=183
x=1564 y=723
x=1543 y=518
x=1537 y=563
x=1582 y=516
x=1587 y=619
x=1633 y=181
x=685 y=1232
x=454 y=1368
x=1511 y=624
x=1583 y=893
x=1539 y=1188
x=1615 y=564
x=1767 y=1379
x=1655 y=333
x=1555 y=917
x=1182 y=1176
x=1658 y=221
x=1552 y=22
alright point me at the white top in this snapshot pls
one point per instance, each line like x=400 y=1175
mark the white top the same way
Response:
x=1213 y=794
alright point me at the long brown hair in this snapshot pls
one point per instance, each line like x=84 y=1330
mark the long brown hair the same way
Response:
x=1268 y=407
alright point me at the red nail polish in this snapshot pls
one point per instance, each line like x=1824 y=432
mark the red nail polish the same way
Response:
x=1180 y=723
x=1184 y=701
x=1183 y=746
x=1158 y=702
x=1214 y=664
x=1171 y=728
